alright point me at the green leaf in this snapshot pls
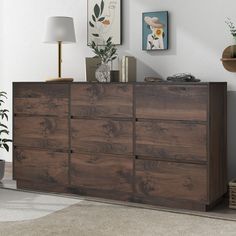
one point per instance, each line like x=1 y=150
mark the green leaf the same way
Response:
x=101 y=19
x=4 y=131
x=6 y=147
x=95 y=35
x=94 y=19
x=6 y=140
x=97 y=10
x=102 y=6
x=4 y=126
x=91 y=24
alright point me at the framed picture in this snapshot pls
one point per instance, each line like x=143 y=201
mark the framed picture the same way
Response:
x=155 y=31
x=104 y=21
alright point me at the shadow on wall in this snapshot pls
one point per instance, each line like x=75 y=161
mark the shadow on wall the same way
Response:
x=145 y=70
x=231 y=134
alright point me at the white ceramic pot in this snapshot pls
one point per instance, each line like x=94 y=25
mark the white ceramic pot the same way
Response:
x=2 y=169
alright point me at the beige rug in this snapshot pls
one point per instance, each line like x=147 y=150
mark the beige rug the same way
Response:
x=99 y=219
x=19 y=205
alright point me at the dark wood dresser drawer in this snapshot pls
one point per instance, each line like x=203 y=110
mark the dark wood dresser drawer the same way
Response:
x=172 y=102
x=41 y=132
x=175 y=140
x=102 y=136
x=162 y=179
x=102 y=100
x=102 y=172
x=41 y=99
x=41 y=166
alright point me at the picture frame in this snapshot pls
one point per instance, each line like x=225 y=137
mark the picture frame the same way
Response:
x=104 y=20
x=155 y=31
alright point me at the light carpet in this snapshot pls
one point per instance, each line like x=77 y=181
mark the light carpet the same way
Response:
x=88 y=218
x=19 y=206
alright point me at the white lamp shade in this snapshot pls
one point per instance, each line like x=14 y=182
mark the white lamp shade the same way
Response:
x=60 y=29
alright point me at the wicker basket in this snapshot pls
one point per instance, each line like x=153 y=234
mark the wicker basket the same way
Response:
x=232 y=194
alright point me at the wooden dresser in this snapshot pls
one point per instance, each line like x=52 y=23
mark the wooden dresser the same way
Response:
x=160 y=143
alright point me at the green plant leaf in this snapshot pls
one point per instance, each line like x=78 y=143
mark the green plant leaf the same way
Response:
x=102 y=6
x=6 y=147
x=94 y=19
x=6 y=140
x=97 y=10
x=101 y=19
x=4 y=126
x=4 y=131
x=91 y=24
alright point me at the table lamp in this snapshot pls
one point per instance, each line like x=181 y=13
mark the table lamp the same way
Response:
x=60 y=30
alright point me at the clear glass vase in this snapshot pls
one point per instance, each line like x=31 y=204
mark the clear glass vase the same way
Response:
x=103 y=73
x=233 y=48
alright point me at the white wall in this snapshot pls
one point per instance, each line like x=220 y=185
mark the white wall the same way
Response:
x=198 y=36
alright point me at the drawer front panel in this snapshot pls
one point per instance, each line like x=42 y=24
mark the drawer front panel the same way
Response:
x=171 y=140
x=41 y=166
x=173 y=102
x=41 y=99
x=41 y=132
x=102 y=136
x=171 y=180
x=102 y=100
x=102 y=172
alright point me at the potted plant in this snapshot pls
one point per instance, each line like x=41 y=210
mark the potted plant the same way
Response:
x=232 y=29
x=106 y=53
x=4 y=132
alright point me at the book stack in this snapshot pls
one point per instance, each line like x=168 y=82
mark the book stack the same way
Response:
x=128 y=69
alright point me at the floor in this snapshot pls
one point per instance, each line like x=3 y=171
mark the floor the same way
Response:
x=221 y=211
x=21 y=206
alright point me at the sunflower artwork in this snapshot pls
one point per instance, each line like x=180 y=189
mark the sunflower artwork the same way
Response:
x=104 y=21
x=155 y=31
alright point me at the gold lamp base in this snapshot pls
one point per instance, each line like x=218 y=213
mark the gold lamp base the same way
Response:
x=68 y=80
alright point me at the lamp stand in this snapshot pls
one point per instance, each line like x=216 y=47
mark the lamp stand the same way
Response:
x=60 y=79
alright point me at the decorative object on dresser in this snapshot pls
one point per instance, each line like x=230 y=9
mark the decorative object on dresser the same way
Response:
x=92 y=64
x=128 y=69
x=183 y=77
x=60 y=29
x=160 y=143
x=107 y=54
x=104 y=21
x=232 y=194
x=155 y=30
x=4 y=132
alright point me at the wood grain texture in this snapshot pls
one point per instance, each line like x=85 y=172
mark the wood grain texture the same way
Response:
x=41 y=186
x=171 y=180
x=171 y=140
x=102 y=172
x=172 y=102
x=102 y=100
x=218 y=141
x=41 y=166
x=102 y=136
x=41 y=132
x=41 y=99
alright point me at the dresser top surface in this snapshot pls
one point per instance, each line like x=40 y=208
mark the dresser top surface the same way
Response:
x=134 y=83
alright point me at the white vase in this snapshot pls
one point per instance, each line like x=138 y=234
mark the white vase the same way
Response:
x=103 y=73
